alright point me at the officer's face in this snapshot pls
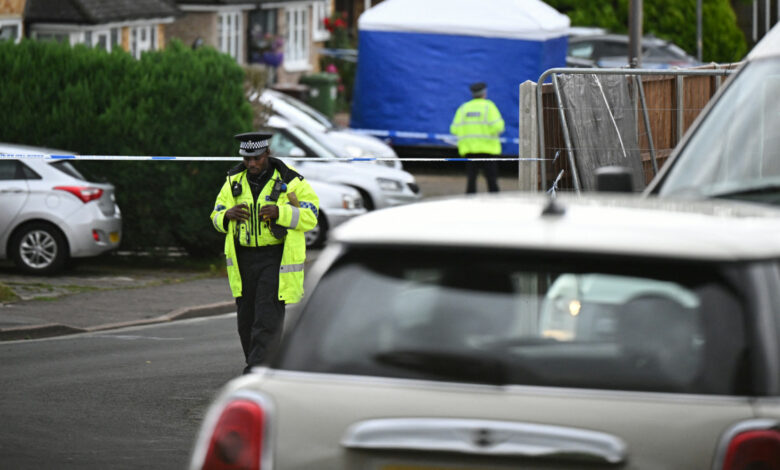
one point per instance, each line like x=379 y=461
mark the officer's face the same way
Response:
x=256 y=164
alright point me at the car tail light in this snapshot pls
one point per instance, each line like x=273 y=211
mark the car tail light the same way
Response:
x=85 y=193
x=237 y=439
x=755 y=449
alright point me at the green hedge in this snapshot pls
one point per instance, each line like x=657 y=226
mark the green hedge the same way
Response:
x=175 y=102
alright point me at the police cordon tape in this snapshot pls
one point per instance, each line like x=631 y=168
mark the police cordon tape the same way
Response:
x=448 y=138
x=44 y=156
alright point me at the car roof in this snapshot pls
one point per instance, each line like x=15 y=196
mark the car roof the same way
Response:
x=30 y=150
x=627 y=225
x=768 y=46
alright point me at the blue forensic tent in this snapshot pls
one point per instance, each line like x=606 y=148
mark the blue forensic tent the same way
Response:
x=416 y=59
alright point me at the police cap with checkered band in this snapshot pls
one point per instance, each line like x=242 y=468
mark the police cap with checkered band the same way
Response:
x=253 y=144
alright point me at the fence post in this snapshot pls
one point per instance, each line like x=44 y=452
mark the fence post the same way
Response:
x=528 y=166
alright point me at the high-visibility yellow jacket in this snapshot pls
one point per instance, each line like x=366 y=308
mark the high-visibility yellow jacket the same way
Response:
x=253 y=233
x=477 y=124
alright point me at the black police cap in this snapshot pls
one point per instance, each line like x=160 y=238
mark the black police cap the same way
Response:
x=253 y=144
x=477 y=87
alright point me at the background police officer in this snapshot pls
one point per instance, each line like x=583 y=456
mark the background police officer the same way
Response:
x=477 y=124
x=264 y=208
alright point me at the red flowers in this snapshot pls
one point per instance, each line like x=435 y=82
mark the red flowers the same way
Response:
x=339 y=23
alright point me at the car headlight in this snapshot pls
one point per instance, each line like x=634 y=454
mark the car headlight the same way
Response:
x=389 y=185
x=349 y=201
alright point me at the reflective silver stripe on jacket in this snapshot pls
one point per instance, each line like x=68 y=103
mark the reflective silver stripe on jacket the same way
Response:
x=229 y=261
x=291 y=268
x=478 y=136
x=296 y=215
x=216 y=223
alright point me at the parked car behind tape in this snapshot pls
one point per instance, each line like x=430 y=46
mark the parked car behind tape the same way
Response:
x=51 y=213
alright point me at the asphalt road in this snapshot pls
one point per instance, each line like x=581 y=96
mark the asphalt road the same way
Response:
x=131 y=398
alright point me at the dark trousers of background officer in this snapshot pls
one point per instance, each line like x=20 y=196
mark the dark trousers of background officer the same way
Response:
x=260 y=312
x=488 y=168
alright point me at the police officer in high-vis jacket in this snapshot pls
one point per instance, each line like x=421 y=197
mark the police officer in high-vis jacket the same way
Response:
x=264 y=208
x=477 y=125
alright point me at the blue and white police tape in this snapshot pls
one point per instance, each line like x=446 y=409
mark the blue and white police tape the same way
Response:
x=44 y=156
x=448 y=138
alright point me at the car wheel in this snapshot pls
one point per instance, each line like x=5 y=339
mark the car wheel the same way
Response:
x=39 y=248
x=368 y=203
x=315 y=237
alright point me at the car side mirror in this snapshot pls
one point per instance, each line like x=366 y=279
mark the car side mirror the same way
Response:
x=614 y=179
x=297 y=152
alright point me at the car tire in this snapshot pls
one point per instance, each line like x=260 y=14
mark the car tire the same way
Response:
x=315 y=237
x=39 y=248
x=368 y=203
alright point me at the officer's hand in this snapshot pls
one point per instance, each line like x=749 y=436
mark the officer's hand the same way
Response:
x=269 y=211
x=238 y=212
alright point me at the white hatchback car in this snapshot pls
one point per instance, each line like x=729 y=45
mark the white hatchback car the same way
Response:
x=51 y=213
x=380 y=186
x=338 y=203
x=427 y=341
x=343 y=142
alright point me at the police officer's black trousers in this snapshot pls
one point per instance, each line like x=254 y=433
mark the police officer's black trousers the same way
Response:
x=260 y=312
x=490 y=169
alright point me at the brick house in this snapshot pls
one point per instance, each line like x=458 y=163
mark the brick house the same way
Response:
x=11 y=15
x=134 y=25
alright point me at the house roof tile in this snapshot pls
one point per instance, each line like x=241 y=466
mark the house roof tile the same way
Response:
x=96 y=11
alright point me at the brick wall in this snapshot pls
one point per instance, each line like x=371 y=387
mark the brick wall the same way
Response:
x=12 y=7
x=194 y=25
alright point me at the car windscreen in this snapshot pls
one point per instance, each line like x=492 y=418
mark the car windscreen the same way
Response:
x=523 y=319
x=67 y=168
x=298 y=111
x=735 y=151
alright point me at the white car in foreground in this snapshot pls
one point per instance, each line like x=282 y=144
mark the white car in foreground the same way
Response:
x=51 y=213
x=504 y=332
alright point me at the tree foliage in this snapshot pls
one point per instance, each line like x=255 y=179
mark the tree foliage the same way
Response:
x=674 y=20
x=175 y=102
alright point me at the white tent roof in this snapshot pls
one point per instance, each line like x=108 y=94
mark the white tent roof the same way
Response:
x=515 y=19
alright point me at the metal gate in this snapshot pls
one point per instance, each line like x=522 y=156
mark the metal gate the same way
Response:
x=600 y=117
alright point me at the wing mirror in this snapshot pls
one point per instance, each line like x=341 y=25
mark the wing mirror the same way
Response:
x=614 y=179
x=297 y=152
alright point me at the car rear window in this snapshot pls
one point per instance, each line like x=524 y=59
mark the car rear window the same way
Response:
x=67 y=168
x=504 y=318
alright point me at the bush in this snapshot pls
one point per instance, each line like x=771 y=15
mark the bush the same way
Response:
x=722 y=40
x=175 y=102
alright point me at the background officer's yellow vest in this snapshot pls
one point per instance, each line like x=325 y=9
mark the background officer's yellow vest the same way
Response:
x=477 y=124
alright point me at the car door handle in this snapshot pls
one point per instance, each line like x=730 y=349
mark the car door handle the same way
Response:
x=485 y=437
x=12 y=190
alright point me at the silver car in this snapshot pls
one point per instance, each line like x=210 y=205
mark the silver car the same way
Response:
x=343 y=142
x=427 y=340
x=338 y=203
x=51 y=213
x=379 y=186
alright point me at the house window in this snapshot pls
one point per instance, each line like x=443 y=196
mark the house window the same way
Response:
x=142 y=39
x=322 y=9
x=11 y=30
x=296 y=49
x=229 y=34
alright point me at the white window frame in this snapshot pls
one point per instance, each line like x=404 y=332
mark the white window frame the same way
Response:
x=321 y=9
x=297 y=44
x=143 y=38
x=19 y=28
x=230 y=37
